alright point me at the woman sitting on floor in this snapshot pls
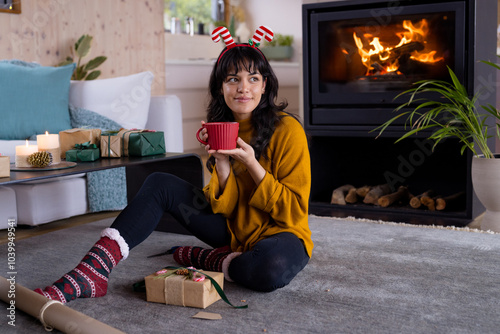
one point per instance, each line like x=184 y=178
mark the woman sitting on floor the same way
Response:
x=253 y=212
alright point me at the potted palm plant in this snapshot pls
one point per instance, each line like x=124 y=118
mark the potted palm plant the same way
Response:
x=456 y=115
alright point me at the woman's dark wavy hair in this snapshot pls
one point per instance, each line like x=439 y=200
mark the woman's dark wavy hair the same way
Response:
x=266 y=116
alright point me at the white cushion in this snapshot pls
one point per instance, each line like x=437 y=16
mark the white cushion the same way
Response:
x=125 y=99
x=8 y=147
x=45 y=202
x=7 y=207
x=165 y=114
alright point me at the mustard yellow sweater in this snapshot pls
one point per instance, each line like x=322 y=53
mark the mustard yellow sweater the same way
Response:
x=280 y=202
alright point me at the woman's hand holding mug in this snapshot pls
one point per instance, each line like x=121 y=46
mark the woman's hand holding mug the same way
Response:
x=218 y=135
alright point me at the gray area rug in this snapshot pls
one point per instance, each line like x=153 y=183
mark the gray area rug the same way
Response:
x=364 y=277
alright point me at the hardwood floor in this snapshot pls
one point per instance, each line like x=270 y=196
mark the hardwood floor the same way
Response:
x=23 y=231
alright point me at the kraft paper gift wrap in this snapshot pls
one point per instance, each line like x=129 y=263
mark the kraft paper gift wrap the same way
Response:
x=4 y=166
x=111 y=145
x=69 y=138
x=142 y=143
x=183 y=291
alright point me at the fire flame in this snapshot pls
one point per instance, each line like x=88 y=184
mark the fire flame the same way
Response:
x=386 y=55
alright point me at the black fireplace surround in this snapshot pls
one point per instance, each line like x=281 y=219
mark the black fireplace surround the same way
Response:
x=358 y=57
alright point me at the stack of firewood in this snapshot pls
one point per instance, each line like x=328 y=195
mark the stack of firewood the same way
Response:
x=382 y=195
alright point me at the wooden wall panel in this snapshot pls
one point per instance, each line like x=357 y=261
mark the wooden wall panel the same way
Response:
x=129 y=32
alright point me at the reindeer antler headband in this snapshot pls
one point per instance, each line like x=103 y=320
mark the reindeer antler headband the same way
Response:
x=223 y=32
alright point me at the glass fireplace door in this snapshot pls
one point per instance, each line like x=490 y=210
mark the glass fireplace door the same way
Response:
x=365 y=59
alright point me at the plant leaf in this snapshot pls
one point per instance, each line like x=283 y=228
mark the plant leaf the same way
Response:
x=79 y=73
x=65 y=62
x=491 y=64
x=93 y=75
x=94 y=63
x=458 y=86
x=453 y=115
x=83 y=47
x=79 y=41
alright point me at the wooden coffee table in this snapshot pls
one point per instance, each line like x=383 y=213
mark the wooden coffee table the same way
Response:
x=187 y=166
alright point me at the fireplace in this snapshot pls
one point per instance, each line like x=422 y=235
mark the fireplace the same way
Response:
x=359 y=56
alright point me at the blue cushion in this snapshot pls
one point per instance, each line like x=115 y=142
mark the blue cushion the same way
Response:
x=34 y=99
x=83 y=118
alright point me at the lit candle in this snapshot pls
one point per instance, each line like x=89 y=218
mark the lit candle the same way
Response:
x=47 y=141
x=23 y=152
x=50 y=143
x=26 y=149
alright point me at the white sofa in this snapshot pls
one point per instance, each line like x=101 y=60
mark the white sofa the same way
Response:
x=39 y=202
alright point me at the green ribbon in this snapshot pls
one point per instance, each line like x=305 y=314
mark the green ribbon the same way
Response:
x=141 y=285
x=109 y=135
x=85 y=146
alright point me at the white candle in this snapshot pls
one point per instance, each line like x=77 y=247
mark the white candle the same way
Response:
x=47 y=141
x=26 y=149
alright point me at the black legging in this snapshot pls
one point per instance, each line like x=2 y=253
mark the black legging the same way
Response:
x=271 y=264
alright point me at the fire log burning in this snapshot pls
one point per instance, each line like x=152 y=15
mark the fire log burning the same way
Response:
x=411 y=55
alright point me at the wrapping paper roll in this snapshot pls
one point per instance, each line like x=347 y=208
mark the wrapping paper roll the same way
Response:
x=55 y=315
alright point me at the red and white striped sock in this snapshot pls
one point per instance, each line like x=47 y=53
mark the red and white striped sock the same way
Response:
x=201 y=258
x=90 y=277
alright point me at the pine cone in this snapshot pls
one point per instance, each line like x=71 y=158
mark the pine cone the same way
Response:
x=40 y=159
x=182 y=272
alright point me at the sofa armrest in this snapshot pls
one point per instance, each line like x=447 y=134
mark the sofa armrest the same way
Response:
x=8 y=147
x=165 y=114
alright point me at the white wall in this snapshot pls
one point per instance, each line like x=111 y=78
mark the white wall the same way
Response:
x=282 y=16
x=187 y=74
x=189 y=81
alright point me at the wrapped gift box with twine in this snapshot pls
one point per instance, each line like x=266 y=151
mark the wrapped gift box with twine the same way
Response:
x=111 y=145
x=83 y=152
x=183 y=287
x=69 y=138
x=141 y=143
x=4 y=166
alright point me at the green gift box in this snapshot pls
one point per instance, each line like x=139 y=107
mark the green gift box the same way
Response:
x=142 y=143
x=83 y=152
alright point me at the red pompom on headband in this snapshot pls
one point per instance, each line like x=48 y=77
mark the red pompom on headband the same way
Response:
x=223 y=32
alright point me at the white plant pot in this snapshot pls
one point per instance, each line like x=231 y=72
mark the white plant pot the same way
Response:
x=486 y=182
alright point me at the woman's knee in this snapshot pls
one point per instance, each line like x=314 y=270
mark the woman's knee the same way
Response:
x=272 y=272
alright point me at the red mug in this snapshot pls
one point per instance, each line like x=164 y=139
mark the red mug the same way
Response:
x=221 y=135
